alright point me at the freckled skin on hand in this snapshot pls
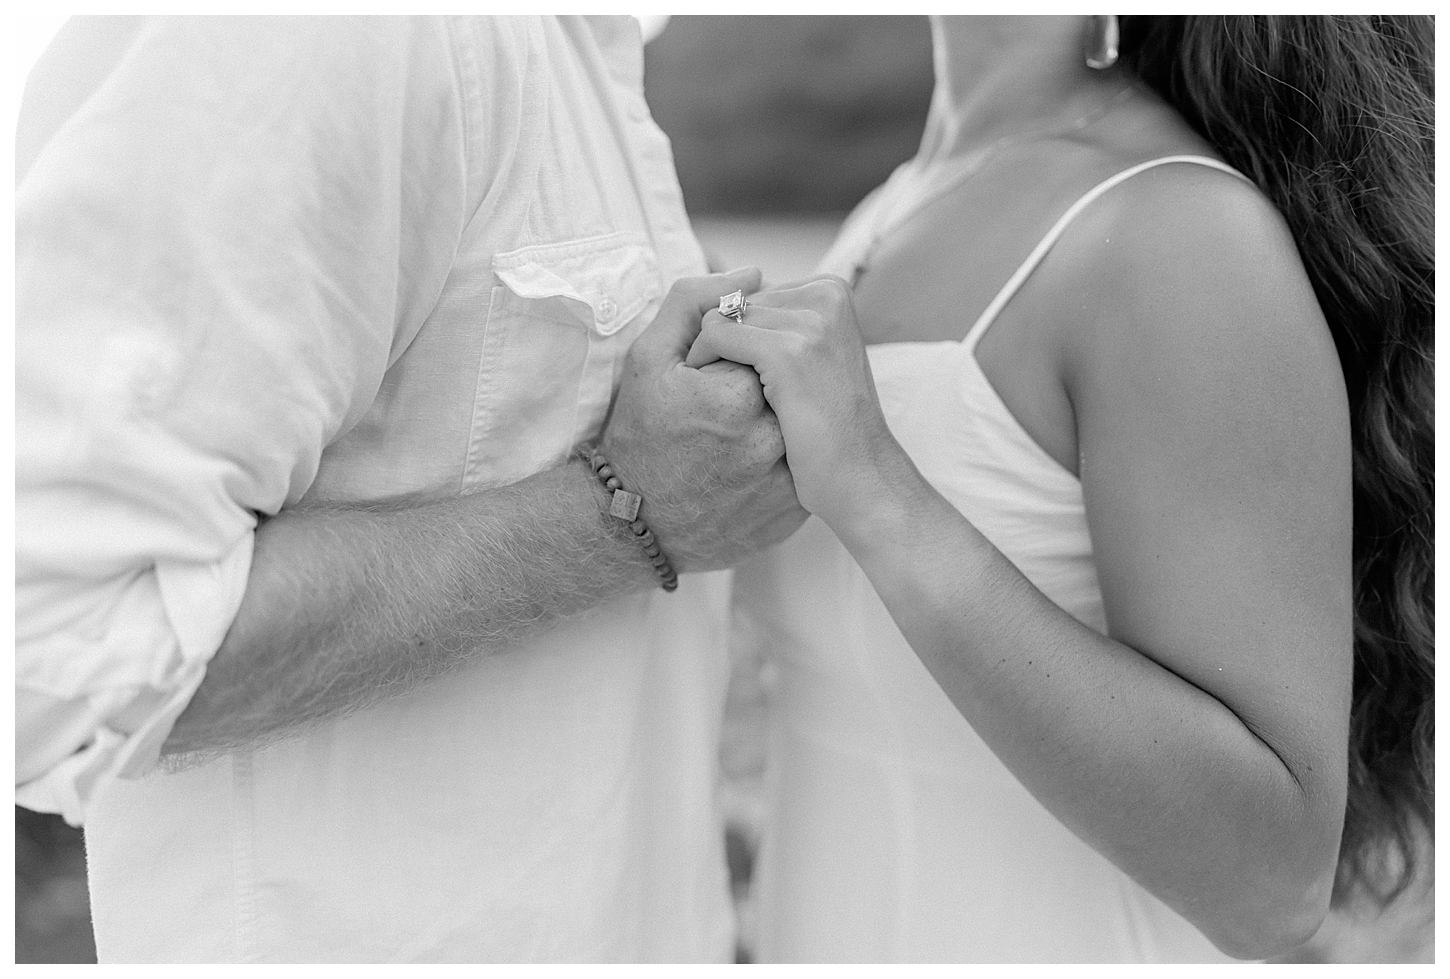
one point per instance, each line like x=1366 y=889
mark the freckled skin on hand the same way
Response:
x=745 y=385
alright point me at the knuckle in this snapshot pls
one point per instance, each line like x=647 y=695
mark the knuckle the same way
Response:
x=735 y=390
x=829 y=289
x=748 y=395
x=815 y=330
x=838 y=293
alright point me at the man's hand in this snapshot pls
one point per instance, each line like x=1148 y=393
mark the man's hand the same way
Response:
x=701 y=446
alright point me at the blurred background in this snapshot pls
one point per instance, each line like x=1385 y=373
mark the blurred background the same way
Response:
x=779 y=126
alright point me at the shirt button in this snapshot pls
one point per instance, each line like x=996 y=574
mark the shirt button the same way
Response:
x=608 y=309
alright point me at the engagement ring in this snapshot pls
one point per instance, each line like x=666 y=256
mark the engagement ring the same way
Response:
x=733 y=306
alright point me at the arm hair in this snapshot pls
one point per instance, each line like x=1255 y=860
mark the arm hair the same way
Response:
x=348 y=605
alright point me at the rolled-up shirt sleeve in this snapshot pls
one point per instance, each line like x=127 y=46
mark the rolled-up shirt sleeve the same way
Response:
x=227 y=229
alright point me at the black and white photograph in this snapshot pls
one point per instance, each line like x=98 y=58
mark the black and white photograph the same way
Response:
x=725 y=488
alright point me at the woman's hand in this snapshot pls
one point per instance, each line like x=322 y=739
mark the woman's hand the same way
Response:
x=805 y=345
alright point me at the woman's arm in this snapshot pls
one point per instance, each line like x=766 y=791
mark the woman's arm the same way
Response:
x=1201 y=745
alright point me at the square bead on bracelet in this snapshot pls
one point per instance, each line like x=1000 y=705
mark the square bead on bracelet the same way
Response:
x=624 y=505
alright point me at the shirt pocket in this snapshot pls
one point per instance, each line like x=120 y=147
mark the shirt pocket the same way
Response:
x=558 y=327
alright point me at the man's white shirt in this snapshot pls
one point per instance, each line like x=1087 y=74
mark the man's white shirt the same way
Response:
x=347 y=259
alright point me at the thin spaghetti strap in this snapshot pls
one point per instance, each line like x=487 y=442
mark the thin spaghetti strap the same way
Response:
x=1045 y=245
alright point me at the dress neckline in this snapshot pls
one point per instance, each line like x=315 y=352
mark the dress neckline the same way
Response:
x=982 y=389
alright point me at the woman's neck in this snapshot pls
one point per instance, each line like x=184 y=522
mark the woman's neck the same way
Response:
x=1001 y=75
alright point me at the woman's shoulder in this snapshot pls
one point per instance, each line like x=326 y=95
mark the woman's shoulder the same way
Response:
x=1172 y=230
x=1153 y=193
x=1185 y=271
x=1183 y=200
x=1172 y=194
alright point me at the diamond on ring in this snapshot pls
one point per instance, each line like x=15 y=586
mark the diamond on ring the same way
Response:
x=733 y=306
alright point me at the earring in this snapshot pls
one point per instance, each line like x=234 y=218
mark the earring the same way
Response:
x=1100 y=46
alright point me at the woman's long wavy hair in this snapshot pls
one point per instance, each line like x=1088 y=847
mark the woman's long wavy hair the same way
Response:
x=1334 y=119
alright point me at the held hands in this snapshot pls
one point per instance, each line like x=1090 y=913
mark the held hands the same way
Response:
x=701 y=446
x=806 y=347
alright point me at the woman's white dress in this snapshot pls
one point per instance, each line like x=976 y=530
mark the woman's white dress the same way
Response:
x=892 y=832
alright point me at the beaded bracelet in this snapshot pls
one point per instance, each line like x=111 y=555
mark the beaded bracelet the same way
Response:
x=625 y=506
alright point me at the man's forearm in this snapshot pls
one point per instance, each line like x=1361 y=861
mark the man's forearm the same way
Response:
x=347 y=605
